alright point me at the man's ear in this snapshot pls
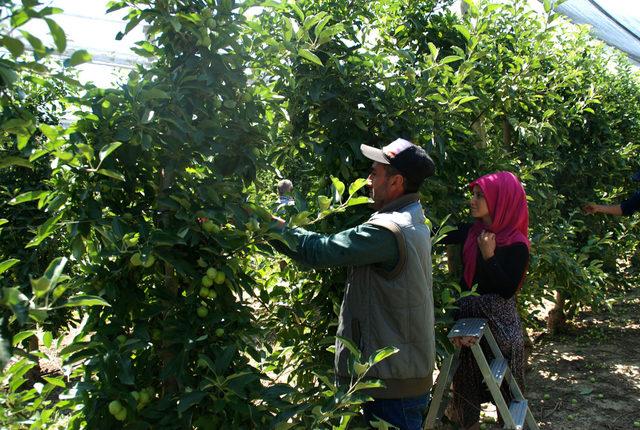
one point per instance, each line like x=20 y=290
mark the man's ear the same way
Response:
x=398 y=180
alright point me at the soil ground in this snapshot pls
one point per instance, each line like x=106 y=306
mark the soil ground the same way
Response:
x=588 y=378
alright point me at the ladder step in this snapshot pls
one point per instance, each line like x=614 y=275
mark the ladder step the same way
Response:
x=468 y=327
x=518 y=411
x=499 y=368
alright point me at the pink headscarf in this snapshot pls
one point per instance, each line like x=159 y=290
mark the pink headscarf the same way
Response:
x=507 y=203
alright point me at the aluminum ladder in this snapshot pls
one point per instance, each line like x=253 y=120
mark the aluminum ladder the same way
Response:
x=515 y=415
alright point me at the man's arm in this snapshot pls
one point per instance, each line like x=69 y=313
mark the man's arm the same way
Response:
x=626 y=207
x=358 y=246
x=592 y=208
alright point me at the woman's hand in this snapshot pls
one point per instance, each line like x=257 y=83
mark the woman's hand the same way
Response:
x=487 y=244
x=462 y=341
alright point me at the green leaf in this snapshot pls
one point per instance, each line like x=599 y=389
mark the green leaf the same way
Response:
x=59 y=38
x=383 y=353
x=10 y=160
x=466 y=99
x=155 y=93
x=8 y=76
x=49 y=131
x=79 y=57
x=308 y=55
x=8 y=264
x=85 y=300
x=19 y=337
x=359 y=200
x=45 y=230
x=27 y=197
x=14 y=46
x=47 y=338
x=338 y=185
x=190 y=399
x=324 y=202
x=19 y=18
x=365 y=385
x=450 y=59
x=463 y=30
x=351 y=346
x=297 y=10
x=54 y=271
x=58 y=382
x=108 y=149
x=356 y=185
x=300 y=219
x=110 y=173
x=35 y=42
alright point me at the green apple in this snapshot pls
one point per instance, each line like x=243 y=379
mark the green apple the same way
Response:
x=546 y=396
x=636 y=424
x=210 y=227
x=211 y=272
x=220 y=332
x=115 y=407
x=136 y=396
x=121 y=339
x=202 y=363
x=220 y=277
x=202 y=311
x=122 y=415
x=204 y=292
x=574 y=401
x=149 y=261
x=144 y=397
x=212 y=294
x=229 y=104
x=136 y=259
x=207 y=281
x=201 y=262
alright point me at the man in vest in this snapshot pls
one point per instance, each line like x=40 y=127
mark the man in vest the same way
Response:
x=388 y=301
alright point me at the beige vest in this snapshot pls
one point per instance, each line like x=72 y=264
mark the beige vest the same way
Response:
x=394 y=308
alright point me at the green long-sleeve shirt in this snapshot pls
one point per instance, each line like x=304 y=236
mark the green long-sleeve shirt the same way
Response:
x=358 y=246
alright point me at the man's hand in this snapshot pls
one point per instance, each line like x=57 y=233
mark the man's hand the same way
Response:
x=464 y=341
x=280 y=223
x=487 y=244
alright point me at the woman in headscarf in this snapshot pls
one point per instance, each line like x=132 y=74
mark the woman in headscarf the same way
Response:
x=495 y=258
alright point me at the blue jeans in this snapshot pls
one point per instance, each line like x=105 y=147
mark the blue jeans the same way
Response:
x=406 y=413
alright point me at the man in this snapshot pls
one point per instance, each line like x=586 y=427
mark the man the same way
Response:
x=285 y=188
x=388 y=299
x=626 y=207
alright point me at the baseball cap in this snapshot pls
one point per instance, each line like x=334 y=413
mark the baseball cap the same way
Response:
x=411 y=160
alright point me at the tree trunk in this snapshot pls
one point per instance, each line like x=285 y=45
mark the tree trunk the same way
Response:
x=557 y=320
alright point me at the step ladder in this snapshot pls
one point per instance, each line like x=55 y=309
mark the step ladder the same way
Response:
x=514 y=415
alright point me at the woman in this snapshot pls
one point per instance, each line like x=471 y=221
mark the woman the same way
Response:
x=495 y=258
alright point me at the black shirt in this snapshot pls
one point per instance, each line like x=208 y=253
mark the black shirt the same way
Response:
x=500 y=274
x=631 y=205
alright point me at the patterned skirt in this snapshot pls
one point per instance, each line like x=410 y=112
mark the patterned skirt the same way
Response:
x=469 y=391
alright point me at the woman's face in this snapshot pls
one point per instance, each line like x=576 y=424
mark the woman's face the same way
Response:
x=479 y=208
